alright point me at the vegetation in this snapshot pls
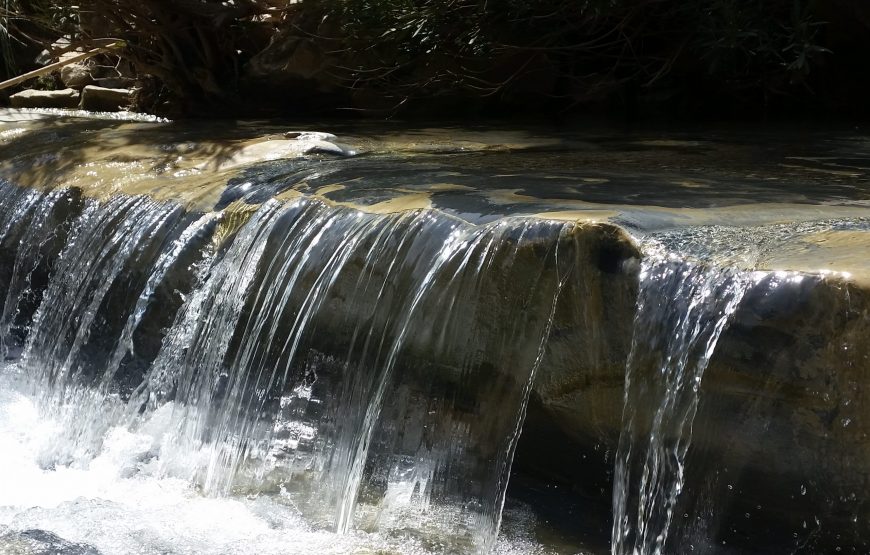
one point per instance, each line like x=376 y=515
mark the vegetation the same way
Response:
x=385 y=56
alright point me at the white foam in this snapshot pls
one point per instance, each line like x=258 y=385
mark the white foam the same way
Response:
x=122 y=502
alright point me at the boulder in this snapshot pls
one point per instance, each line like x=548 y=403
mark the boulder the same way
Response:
x=66 y=98
x=782 y=427
x=76 y=76
x=115 y=82
x=41 y=542
x=102 y=99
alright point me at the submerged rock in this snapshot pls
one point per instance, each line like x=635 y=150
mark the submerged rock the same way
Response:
x=41 y=542
x=277 y=149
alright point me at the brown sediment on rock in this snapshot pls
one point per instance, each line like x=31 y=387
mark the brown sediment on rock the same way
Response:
x=103 y=157
x=838 y=254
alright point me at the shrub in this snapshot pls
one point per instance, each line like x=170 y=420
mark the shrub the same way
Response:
x=565 y=53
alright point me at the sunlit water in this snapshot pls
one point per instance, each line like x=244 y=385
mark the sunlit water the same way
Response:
x=683 y=307
x=172 y=393
x=275 y=374
x=119 y=503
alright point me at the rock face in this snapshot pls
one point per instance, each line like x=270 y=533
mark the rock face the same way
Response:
x=102 y=99
x=783 y=423
x=66 y=98
x=780 y=446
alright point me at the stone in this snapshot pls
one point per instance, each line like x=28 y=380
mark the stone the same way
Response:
x=41 y=542
x=65 y=98
x=276 y=149
x=782 y=417
x=114 y=82
x=102 y=99
x=290 y=61
x=309 y=135
x=76 y=76
x=47 y=56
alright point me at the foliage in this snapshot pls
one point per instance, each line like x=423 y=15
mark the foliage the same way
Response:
x=743 y=47
x=594 y=47
x=567 y=51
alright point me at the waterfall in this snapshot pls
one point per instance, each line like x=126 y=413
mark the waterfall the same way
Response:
x=373 y=370
x=364 y=375
x=682 y=308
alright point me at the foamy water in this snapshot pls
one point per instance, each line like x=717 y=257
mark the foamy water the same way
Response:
x=120 y=503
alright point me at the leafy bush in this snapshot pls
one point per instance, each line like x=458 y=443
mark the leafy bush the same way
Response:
x=566 y=52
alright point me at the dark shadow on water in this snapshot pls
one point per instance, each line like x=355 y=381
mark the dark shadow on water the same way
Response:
x=566 y=485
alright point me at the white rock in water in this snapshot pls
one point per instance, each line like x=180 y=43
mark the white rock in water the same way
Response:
x=310 y=136
x=276 y=149
x=263 y=152
x=326 y=147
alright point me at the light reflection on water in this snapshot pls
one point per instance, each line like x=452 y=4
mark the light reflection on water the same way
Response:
x=76 y=471
x=117 y=502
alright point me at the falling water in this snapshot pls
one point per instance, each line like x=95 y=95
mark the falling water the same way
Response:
x=682 y=308
x=357 y=366
x=291 y=356
x=34 y=227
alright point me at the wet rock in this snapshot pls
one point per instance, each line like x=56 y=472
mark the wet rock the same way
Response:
x=309 y=135
x=580 y=385
x=778 y=460
x=41 y=542
x=102 y=99
x=327 y=147
x=65 y=98
x=277 y=149
x=780 y=445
